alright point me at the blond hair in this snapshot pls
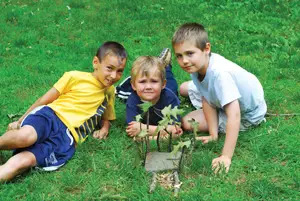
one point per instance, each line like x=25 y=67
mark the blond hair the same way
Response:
x=143 y=64
x=193 y=32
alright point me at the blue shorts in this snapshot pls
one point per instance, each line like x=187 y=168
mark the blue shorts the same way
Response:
x=54 y=145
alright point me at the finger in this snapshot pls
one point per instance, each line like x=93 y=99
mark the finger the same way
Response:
x=227 y=169
x=205 y=141
x=216 y=168
x=214 y=164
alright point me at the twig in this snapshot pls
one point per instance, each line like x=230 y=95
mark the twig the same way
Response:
x=177 y=183
x=287 y=114
x=157 y=141
x=153 y=183
x=170 y=141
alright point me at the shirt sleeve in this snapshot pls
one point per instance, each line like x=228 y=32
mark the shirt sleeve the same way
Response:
x=226 y=89
x=109 y=113
x=132 y=108
x=62 y=84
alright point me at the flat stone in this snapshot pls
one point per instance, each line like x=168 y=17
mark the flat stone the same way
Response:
x=162 y=161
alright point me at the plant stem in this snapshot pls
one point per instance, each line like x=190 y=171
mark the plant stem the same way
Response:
x=157 y=141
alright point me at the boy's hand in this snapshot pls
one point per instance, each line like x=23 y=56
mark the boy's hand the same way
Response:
x=221 y=162
x=206 y=139
x=13 y=126
x=100 y=134
x=133 y=129
x=176 y=131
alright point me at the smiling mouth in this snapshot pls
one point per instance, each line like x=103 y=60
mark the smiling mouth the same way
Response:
x=187 y=68
x=109 y=81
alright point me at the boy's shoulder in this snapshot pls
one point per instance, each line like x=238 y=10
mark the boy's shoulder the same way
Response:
x=76 y=73
x=168 y=96
x=167 y=93
x=133 y=99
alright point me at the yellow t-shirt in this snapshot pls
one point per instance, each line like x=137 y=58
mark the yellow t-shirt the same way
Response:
x=82 y=103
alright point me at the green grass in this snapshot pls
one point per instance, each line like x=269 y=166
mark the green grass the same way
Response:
x=39 y=40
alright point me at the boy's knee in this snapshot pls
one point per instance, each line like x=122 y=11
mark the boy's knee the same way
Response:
x=26 y=135
x=183 y=89
x=23 y=161
x=186 y=124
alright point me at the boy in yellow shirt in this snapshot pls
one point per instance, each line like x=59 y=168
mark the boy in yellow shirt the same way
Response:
x=79 y=104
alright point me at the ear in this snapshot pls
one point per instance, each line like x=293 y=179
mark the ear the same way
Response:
x=96 y=60
x=164 y=84
x=133 y=86
x=207 y=48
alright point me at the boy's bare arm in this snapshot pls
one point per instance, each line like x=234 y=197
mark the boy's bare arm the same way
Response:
x=211 y=117
x=232 y=111
x=134 y=128
x=103 y=132
x=47 y=98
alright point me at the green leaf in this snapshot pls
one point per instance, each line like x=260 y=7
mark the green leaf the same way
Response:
x=175 y=149
x=187 y=143
x=166 y=111
x=145 y=106
x=164 y=122
x=138 y=118
x=175 y=112
x=159 y=128
x=180 y=145
x=194 y=125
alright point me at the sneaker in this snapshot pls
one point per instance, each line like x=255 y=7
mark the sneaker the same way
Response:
x=166 y=56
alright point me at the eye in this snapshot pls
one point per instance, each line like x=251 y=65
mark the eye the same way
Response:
x=109 y=68
x=120 y=71
x=178 y=56
x=189 y=53
x=154 y=81
x=142 y=81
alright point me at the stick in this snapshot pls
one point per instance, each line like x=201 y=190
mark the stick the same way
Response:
x=177 y=183
x=153 y=183
x=288 y=114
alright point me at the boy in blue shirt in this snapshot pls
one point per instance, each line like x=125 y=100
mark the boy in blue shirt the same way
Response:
x=232 y=98
x=79 y=104
x=152 y=81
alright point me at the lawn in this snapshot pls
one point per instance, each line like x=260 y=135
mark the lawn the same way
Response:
x=40 y=40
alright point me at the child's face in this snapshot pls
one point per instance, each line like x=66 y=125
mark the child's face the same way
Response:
x=190 y=58
x=109 y=70
x=148 y=88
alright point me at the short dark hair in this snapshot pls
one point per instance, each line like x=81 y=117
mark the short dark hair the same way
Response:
x=111 y=47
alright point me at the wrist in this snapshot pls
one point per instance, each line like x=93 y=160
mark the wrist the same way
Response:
x=214 y=137
x=142 y=127
x=226 y=156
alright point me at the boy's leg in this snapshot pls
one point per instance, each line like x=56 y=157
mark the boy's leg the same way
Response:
x=14 y=139
x=183 y=89
x=188 y=89
x=171 y=82
x=16 y=165
x=166 y=57
x=199 y=117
